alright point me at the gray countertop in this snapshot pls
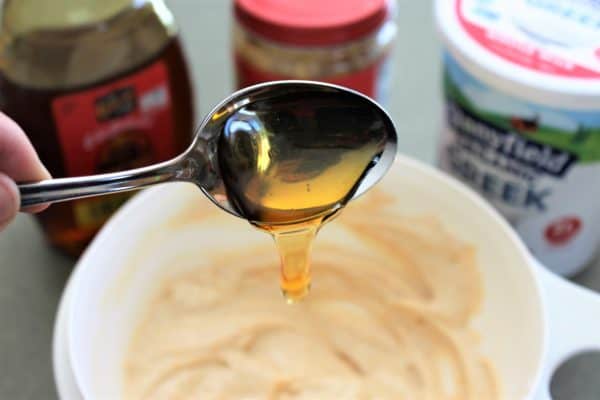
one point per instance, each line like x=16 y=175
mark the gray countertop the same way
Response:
x=32 y=275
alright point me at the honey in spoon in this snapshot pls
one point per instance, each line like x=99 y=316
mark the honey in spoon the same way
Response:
x=289 y=166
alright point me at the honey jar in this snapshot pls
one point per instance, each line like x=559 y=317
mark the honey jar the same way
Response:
x=98 y=86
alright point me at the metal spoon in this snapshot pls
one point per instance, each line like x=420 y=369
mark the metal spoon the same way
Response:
x=199 y=164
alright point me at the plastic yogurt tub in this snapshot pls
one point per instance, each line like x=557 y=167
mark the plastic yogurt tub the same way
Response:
x=522 y=117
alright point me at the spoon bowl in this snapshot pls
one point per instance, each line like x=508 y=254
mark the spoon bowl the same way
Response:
x=294 y=113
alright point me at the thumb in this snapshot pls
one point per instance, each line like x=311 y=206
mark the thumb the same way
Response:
x=9 y=200
x=18 y=160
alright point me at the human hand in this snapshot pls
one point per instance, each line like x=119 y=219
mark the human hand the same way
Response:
x=18 y=163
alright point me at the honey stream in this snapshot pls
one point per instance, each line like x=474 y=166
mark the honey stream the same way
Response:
x=290 y=165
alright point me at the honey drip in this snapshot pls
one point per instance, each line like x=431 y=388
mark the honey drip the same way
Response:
x=294 y=247
x=289 y=165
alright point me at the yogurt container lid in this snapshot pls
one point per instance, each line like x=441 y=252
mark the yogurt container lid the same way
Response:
x=547 y=51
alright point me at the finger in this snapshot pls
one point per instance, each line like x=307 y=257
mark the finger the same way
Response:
x=9 y=200
x=18 y=159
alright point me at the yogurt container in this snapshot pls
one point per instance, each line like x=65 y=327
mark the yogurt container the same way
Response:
x=521 y=81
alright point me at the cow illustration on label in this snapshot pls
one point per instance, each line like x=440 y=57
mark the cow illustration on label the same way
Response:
x=525 y=125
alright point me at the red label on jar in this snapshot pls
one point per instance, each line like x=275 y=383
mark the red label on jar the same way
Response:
x=365 y=80
x=123 y=124
x=562 y=230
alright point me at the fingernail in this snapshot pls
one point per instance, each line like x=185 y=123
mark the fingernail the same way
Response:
x=8 y=200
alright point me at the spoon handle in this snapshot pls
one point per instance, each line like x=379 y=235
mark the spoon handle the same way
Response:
x=62 y=189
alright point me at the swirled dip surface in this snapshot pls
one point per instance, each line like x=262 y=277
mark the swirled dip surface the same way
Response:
x=388 y=318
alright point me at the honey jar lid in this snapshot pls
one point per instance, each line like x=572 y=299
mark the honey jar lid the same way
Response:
x=312 y=22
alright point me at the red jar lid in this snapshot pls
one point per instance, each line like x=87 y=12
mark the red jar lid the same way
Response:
x=311 y=22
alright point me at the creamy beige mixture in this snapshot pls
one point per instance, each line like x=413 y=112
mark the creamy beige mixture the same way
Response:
x=388 y=317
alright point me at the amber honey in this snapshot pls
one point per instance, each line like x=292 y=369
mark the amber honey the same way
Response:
x=292 y=164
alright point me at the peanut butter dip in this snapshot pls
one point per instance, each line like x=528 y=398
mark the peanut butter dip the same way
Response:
x=388 y=317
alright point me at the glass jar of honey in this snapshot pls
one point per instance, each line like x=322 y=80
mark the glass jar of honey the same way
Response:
x=98 y=86
x=346 y=42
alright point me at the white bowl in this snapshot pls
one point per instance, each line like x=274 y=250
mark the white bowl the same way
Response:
x=530 y=320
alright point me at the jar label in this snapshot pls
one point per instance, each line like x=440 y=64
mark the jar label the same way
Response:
x=540 y=166
x=123 y=124
x=371 y=80
x=555 y=37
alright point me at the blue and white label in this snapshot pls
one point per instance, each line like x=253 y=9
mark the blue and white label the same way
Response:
x=539 y=166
